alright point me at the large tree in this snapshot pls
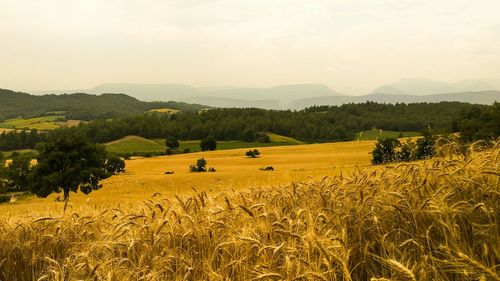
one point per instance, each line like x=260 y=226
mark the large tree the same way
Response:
x=208 y=143
x=68 y=162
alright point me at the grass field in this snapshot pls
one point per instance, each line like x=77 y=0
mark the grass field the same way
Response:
x=39 y=123
x=431 y=220
x=374 y=134
x=135 y=144
x=132 y=144
x=7 y=154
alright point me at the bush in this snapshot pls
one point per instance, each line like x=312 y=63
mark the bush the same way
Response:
x=186 y=150
x=201 y=167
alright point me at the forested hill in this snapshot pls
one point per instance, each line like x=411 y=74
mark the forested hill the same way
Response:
x=80 y=106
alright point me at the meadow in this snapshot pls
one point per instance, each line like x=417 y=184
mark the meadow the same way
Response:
x=40 y=123
x=431 y=220
x=373 y=134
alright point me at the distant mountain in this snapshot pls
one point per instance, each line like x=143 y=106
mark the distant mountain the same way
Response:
x=230 y=102
x=431 y=87
x=79 y=105
x=225 y=96
x=478 y=97
x=297 y=96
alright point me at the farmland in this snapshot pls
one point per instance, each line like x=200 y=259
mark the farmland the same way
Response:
x=40 y=123
x=145 y=176
x=359 y=223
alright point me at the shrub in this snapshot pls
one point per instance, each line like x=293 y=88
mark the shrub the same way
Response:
x=201 y=167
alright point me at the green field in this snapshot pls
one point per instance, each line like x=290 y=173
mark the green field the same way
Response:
x=39 y=123
x=136 y=144
x=373 y=134
x=7 y=154
x=131 y=144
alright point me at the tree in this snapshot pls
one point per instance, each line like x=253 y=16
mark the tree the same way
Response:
x=171 y=142
x=252 y=153
x=18 y=172
x=114 y=165
x=425 y=145
x=68 y=161
x=201 y=166
x=3 y=180
x=249 y=135
x=209 y=143
x=385 y=151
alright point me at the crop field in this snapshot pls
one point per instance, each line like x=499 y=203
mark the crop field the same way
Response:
x=146 y=176
x=374 y=134
x=131 y=144
x=430 y=220
x=39 y=123
x=164 y=110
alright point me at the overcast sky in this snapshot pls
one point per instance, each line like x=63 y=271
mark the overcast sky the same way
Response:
x=350 y=45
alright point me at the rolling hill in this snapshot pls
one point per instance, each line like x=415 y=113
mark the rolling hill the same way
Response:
x=79 y=106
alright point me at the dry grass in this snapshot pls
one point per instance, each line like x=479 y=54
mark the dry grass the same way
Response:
x=435 y=220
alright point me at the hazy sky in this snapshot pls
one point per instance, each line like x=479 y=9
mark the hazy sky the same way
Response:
x=349 y=45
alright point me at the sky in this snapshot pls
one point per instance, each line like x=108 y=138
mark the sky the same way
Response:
x=352 y=46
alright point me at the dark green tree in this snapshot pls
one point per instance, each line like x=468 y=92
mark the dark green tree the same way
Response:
x=425 y=145
x=18 y=172
x=249 y=135
x=209 y=143
x=67 y=162
x=171 y=142
x=114 y=165
x=199 y=167
x=385 y=151
x=254 y=153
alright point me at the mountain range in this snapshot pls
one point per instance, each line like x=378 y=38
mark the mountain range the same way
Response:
x=298 y=96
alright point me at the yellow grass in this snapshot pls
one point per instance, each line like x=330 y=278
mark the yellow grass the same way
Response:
x=5 y=130
x=164 y=110
x=145 y=176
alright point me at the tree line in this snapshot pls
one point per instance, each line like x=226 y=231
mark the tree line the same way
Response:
x=314 y=124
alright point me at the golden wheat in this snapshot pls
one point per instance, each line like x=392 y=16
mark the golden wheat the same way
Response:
x=432 y=220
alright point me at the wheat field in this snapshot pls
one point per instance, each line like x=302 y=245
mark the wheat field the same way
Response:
x=146 y=176
x=432 y=220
